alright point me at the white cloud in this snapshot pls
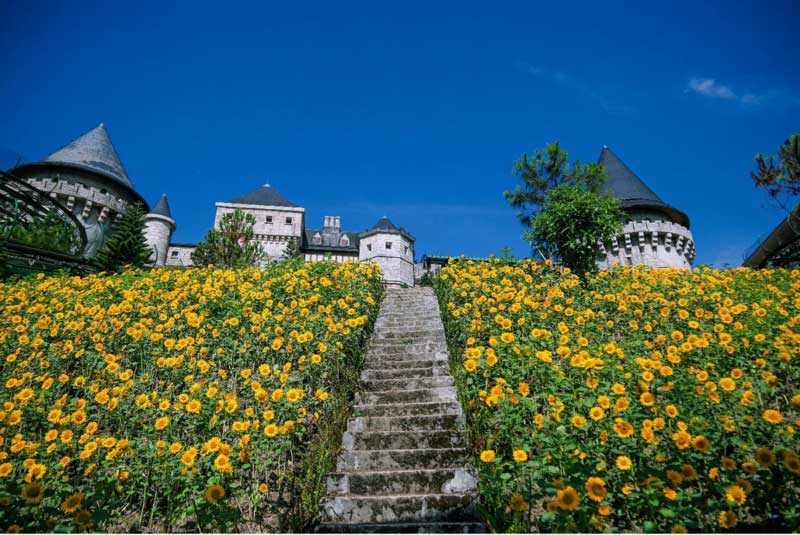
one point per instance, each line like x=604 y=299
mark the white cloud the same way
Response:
x=708 y=87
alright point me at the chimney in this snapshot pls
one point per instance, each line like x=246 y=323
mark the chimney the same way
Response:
x=331 y=230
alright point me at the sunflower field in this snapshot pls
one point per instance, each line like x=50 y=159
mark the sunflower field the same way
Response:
x=175 y=400
x=636 y=400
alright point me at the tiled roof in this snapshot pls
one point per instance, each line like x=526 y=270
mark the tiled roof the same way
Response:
x=93 y=150
x=631 y=190
x=263 y=196
x=162 y=207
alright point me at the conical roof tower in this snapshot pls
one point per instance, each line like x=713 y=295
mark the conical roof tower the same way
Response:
x=625 y=185
x=95 y=151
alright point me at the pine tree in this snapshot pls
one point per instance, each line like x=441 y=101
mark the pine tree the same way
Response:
x=127 y=245
x=292 y=249
x=232 y=245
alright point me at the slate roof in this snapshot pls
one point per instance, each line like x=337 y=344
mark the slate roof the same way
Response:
x=94 y=151
x=626 y=186
x=384 y=225
x=308 y=245
x=162 y=207
x=263 y=196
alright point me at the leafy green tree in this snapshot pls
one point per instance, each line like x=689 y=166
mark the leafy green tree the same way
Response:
x=127 y=245
x=781 y=180
x=545 y=171
x=232 y=245
x=573 y=220
x=542 y=173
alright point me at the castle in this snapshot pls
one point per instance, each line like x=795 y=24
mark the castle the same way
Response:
x=88 y=178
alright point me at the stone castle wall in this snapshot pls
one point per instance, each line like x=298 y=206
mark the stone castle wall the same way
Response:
x=397 y=262
x=271 y=227
x=158 y=230
x=179 y=255
x=98 y=204
x=654 y=242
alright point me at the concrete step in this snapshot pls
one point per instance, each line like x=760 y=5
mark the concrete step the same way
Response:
x=392 y=440
x=422 y=370
x=411 y=507
x=408 y=409
x=405 y=527
x=373 y=460
x=387 y=350
x=434 y=422
x=445 y=393
x=405 y=364
x=415 y=333
x=398 y=482
x=377 y=385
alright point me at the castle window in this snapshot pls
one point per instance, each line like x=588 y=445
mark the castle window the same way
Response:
x=174 y=254
x=388 y=245
x=406 y=249
x=269 y=219
x=288 y=220
x=369 y=247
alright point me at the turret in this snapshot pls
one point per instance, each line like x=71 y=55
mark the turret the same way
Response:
x=392 y=248
x=88 y=178
x=159 y=227
x=654 y=233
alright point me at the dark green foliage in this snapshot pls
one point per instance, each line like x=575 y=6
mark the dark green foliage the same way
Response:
x=50 y=233
x=232 y=245
x=573 y=221
x=543 y=172
x=127 y=245
x=782 y=180
x=293 y=249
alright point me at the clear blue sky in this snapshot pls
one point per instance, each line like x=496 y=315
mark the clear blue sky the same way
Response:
x=412 y=110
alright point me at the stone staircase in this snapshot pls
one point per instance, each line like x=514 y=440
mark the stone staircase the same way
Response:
x=404 y=467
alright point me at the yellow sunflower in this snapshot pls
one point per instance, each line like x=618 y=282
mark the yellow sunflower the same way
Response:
x=214 y=493
x=72 y=503
x=33 y=492
x=596 y=489
x=568 y=499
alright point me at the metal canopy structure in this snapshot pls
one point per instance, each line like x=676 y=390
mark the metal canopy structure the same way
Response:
x=38 y=233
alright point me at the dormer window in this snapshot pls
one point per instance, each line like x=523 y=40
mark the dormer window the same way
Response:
x=345 y=241
x=316 y=239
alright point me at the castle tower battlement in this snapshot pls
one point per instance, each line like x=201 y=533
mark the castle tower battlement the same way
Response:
x=88 y=178
x=654 y=233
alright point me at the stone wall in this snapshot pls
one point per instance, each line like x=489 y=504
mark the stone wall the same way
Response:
x=274 y=225
x=158 y=231
x=96 y=203
x=653 y=242
x=396 y=261
x=179 y=255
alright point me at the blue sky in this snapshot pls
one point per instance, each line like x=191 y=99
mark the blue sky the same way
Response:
x=412 y=110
